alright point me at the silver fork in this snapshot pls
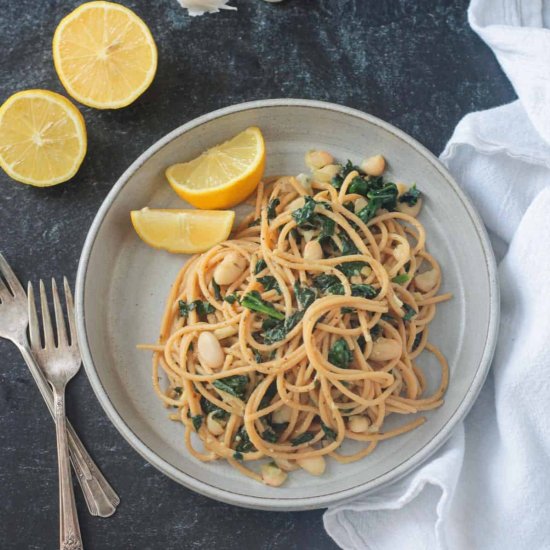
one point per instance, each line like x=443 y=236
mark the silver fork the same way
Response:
x=59 y=363
x=99 y=495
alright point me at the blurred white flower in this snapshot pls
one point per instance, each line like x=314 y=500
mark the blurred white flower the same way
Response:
x=199 y=7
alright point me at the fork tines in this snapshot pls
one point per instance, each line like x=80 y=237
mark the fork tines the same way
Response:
x=47 y=327
x=13 y=287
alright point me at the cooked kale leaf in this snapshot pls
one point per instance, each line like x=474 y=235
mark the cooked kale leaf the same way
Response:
x=269 y=283
x=340 y=355
x=184 y=308
x=260 y=266
x=304 y=296
x=362 y=291
x=400 y=279
x=417 y=340
x=410 y=196
x=295 y=234
x=330 y=434
x=271 y=208
x=302 y=438
x=324 y=281
x=410 y=312
x=268 y=395
x=386 y=196
x=351 y=268
x=292 y=320
x=359 y=186
x=196 y=420
x=244 y=445
x=254 y=302
x=201 y=307
x=277 y=330
x=279 y=427
x=269 y=435
x=231 y=298
x=341 y=176
x=216 y=287
x=233 y=385
x=375 y=331
x=368 y=212
x=330 y=284
x=209 y=407
x=348 y=246
x=328 y=227
x=305 y=216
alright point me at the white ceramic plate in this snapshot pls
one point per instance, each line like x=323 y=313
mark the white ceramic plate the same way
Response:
x=122 y=286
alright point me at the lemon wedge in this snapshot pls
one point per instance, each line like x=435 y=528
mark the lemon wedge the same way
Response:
x=183 y=231
x=104 y=55
x=42 y=138
x=224 y=175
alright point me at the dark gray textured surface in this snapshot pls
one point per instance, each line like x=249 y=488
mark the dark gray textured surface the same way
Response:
x=416 y=64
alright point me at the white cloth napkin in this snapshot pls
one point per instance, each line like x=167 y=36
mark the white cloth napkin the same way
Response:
x=200 y=7
x=489 y=486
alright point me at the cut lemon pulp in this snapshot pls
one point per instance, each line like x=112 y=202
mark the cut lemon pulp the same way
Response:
x=42 y=138
x=104 y=55
x=224 y=175
x=183 y=231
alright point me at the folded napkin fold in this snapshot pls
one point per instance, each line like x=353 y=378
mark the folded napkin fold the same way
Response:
x=488 y=487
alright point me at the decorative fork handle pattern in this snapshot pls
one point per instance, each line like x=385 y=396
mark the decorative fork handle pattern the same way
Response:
x=69 y=530
x=100 y=497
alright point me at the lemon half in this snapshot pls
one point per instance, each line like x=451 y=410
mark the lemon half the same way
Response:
x=183 y=231
x=42 y=138
x=224 y=175
x=104 y=55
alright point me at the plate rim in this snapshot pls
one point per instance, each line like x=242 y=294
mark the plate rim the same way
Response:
x=287 y=503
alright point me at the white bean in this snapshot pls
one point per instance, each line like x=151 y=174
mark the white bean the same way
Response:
x=426 y=281
x=410 y=210
x=401 y=252
x=315 y=465
x=281 y=415
x=295 y=204
x=366 y=271
x=286 y=465
x=305 y=181
x=374 y=166
x=214 y=427
x=308 y=234
x=210 y=351
x=358 y=424
x=318 y=159
x=385 y=349
x=313 y=251
x=360 y=203
x=401 y=188
x=229 y=269
x=273 y=475
x=326 y=173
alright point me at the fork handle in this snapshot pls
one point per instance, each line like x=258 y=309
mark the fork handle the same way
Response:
x=100 y=497
x=69 y=530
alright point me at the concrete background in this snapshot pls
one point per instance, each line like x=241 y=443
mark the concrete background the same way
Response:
x=415 y=64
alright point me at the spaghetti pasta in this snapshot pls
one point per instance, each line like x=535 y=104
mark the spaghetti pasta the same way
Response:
x=319 y=307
